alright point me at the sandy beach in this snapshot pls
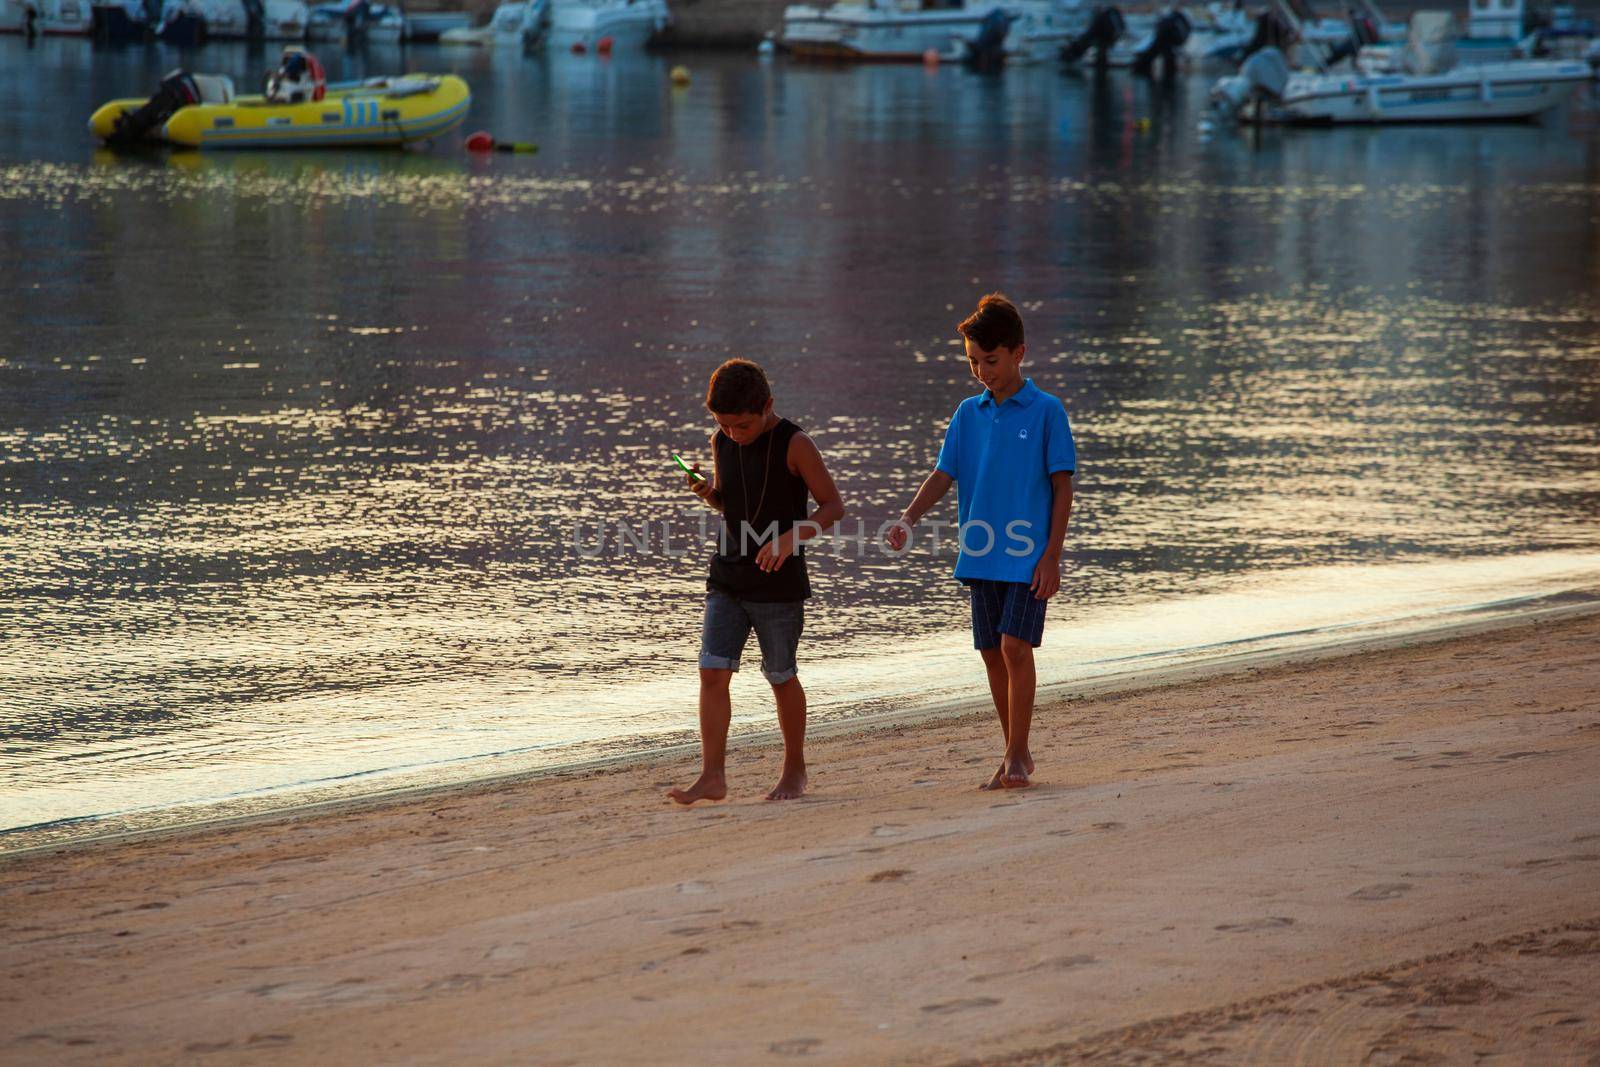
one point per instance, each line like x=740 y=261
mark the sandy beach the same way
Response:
x=1389 y=857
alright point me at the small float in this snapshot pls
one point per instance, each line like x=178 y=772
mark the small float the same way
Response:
x=201 y=111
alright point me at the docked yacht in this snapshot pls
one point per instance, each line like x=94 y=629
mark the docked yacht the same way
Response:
x=64 y=17
x=584 y=24
x=515 y=24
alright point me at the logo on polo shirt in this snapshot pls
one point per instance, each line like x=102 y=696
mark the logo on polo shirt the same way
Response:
x=1022 y=434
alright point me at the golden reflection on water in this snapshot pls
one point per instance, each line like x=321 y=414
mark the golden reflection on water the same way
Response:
x=299 y=452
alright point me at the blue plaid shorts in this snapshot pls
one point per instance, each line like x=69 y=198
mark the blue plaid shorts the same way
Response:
x=1005 y=608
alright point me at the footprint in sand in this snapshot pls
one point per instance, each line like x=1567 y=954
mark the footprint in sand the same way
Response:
x=1057 y=963
x=950 y=1007
x=795 y=1046
x=1382 y=891
x=270 y=1039
x=1270 y=922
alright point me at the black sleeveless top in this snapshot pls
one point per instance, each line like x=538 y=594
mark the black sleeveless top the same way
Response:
x=760 y=499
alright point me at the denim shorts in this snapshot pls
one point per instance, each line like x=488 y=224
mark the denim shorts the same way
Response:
x=728 y=624
x=1005 y=608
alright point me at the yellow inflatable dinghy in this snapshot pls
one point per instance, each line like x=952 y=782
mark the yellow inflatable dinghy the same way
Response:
x=379 y=111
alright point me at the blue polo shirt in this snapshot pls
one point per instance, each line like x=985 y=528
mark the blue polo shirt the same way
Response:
x=1001 y=457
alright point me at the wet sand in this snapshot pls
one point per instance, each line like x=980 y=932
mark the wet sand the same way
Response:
x=1392 y=857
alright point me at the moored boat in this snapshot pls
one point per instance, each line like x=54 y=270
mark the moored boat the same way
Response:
x=59 y=17
x=516 y=23
x=628 y=24
x=1265 y=90
x=356 y=21
x=378 y=111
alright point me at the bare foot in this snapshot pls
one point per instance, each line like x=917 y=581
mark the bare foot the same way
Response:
x=706 y=787
x=791 y=785
x=999 y=779
x=1014 y=773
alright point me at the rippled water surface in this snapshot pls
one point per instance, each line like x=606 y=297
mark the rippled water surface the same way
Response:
x=311 y=464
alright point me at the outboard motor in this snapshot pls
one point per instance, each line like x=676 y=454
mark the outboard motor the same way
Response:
x=177 y=90
x=1104 y=29
x=1264 y=76
x=1166 y=44
x=987 y=51
x=1272 y=31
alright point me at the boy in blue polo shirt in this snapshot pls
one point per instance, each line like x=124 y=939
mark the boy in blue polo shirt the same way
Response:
x=1010 y=452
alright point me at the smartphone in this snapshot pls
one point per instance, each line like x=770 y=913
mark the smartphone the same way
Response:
x=696 y=475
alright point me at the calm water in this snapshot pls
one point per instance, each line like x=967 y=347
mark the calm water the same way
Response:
x=293 y=446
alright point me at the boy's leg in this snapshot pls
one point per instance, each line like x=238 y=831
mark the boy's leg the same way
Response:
x=989 y=603
x=994 y=665
x=1021 y=629
x=778 y=627
x=722 y=638
x=1018 y=763
x=791 y=698
x=716 y=712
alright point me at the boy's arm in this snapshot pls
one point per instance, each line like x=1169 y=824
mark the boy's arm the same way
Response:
x=709 y=490
x=932 y=491
x=1047 y=572
x=806 y=462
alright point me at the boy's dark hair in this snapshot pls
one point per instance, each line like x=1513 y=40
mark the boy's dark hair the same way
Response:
x=996 y=324
x=738 y=387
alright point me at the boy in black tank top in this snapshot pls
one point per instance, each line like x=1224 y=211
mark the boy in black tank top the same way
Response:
x=764 y=469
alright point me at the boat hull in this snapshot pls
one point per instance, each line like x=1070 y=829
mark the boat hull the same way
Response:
x=628 y=26
x=1488 y=93
x=875 y=35
x=347 y=117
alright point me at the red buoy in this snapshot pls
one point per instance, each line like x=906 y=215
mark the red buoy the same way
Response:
x=480 y=142
x=603 y=46
x=578 y=48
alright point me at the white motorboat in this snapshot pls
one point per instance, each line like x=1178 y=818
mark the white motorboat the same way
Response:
x=584 y=24
x=1264 y=90
x=355 y=21
x=884 y=29
x=63 y=17
x=515 y=24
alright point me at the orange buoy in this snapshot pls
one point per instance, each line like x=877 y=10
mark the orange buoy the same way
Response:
x=578 y=48
x=603 y=46
x=930 y=58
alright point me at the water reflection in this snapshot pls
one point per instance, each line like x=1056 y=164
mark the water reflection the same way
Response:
x=292 y=446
